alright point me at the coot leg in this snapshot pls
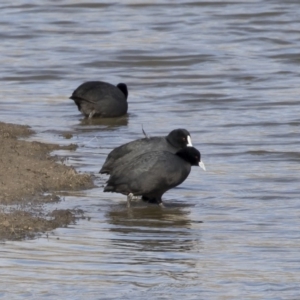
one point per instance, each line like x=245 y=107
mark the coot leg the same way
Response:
x=92 y=114
x=159 y=202
x=129 y=198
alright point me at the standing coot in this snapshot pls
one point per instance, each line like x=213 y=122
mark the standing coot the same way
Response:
x=101 y=99
x=151 y=174
x=177 y=139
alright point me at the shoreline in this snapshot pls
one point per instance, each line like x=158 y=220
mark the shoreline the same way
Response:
x=27 y=172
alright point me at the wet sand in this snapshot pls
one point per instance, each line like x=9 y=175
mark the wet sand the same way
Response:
x=27 y=172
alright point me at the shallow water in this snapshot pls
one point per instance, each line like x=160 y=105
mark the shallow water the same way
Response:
x=226 y=71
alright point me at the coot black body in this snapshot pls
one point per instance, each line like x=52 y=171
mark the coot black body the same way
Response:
x=101 y=99
x=177 y=139
x=151 y=174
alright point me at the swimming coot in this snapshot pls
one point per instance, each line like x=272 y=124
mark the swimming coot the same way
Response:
x=177 y=139
x=101 y=99
x=151 y=174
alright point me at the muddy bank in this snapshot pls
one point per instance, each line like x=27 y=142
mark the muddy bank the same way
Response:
x=27 y=171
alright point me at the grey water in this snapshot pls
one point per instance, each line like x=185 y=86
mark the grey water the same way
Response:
x=229 y=72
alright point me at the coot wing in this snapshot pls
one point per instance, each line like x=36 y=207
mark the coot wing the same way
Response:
x=152 y=173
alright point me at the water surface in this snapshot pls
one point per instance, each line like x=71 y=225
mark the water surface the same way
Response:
x=228 y=71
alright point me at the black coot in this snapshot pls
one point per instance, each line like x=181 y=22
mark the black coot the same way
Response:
x=101 y=99
x=151 y=174
x=177 y=139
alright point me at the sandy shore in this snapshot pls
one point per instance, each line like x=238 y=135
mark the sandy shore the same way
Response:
x=28 y=171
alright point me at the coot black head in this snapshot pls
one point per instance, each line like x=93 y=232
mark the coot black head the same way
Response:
x=191 y=155
x=180 y=138
x=123 y=88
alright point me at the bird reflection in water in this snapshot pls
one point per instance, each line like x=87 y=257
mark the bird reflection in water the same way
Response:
x=150 y=228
